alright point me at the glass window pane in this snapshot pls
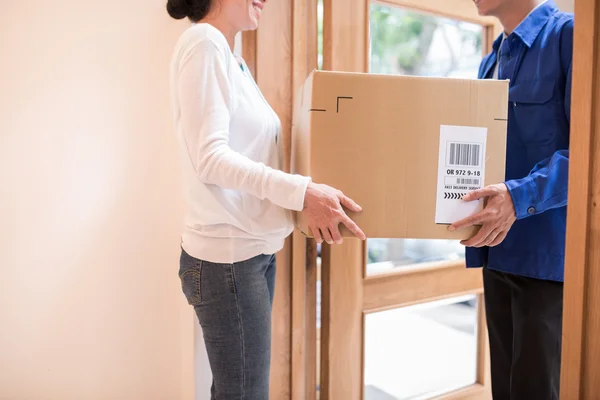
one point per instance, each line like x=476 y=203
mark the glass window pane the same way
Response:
x=388 y=255
x=411 y=43
x=421 y=351
x=406 y=42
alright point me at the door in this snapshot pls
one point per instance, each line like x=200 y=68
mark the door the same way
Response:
x=341 y=343
x=401 y=318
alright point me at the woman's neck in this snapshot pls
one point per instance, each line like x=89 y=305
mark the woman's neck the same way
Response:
x=226 y=29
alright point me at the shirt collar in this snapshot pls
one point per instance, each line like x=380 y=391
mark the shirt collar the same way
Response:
x=529 y=29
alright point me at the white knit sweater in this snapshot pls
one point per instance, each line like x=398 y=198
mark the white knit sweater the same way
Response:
x=238 y=199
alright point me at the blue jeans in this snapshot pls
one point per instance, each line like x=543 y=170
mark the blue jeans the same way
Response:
x=233 y=303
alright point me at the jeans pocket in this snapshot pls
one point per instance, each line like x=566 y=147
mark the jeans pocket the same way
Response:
x=191 y=281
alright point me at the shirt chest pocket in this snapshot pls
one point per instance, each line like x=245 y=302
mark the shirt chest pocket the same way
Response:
x=535 y=111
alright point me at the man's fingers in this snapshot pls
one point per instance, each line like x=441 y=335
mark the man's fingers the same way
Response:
x=317 y=234
x=479 y=238
x=479 y=194
x=336 y=235
x=499 y=239
x=351 y=225
x=349 y=203
x=490 y=238
x=469 y=221
x=473 y=241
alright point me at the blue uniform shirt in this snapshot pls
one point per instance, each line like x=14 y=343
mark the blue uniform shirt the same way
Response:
x=536 y=57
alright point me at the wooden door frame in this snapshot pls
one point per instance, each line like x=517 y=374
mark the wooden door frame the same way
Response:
x=278 y=73
x=293 y=23
x=346 y=45
x=290 y=27
x=273 y=74
x=580 y=378
x=345 y=48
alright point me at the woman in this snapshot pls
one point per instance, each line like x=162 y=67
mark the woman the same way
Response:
x=238 y=200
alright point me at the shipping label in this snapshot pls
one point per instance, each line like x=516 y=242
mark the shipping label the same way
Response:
x=461 y=169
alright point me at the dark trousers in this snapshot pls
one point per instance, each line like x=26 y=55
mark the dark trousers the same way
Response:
x=524 y=318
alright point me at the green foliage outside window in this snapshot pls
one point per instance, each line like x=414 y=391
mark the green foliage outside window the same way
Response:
x=401 y=42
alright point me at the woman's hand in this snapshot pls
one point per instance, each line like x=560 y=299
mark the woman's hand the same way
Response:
x=324 y=212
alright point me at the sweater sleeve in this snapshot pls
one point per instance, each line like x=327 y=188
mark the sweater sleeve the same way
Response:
x=205 y=98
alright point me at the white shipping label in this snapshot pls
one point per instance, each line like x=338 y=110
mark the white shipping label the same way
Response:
x=461 y=169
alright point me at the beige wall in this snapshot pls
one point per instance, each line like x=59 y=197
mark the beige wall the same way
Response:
x=566 y=5
x=90 y=205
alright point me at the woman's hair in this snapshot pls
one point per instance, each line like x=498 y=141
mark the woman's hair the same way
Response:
x=195 y=10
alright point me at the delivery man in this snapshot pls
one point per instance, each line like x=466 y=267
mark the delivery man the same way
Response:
x=521 y=243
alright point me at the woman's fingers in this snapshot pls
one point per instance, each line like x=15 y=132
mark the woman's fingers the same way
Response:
x=335 y=234
x=316 y=234
x=349 y=203
x=351 y=225
x=326 y=236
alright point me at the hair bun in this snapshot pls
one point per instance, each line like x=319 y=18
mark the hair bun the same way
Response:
x=178 y=9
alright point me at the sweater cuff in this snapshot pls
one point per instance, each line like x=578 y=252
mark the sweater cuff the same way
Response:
x=297 y=197
x=287 y=190
x=523 y=193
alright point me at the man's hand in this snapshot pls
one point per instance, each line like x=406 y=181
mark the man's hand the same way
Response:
x=496 y=218
x=324 y=212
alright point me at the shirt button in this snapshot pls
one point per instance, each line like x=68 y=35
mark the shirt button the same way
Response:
x=531 y=210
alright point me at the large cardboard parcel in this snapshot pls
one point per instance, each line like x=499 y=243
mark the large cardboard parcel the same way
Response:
x=404 y=148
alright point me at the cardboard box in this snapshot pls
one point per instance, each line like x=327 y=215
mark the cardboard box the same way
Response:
x=377 y=138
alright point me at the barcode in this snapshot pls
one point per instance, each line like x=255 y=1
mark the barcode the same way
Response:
x=466 y=154
x=467 y=181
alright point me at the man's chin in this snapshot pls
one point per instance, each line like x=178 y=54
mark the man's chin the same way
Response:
x=481 y=9
x=482 y=12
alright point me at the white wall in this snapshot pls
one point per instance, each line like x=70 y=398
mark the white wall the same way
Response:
x=203 y=379
x=90 y=205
